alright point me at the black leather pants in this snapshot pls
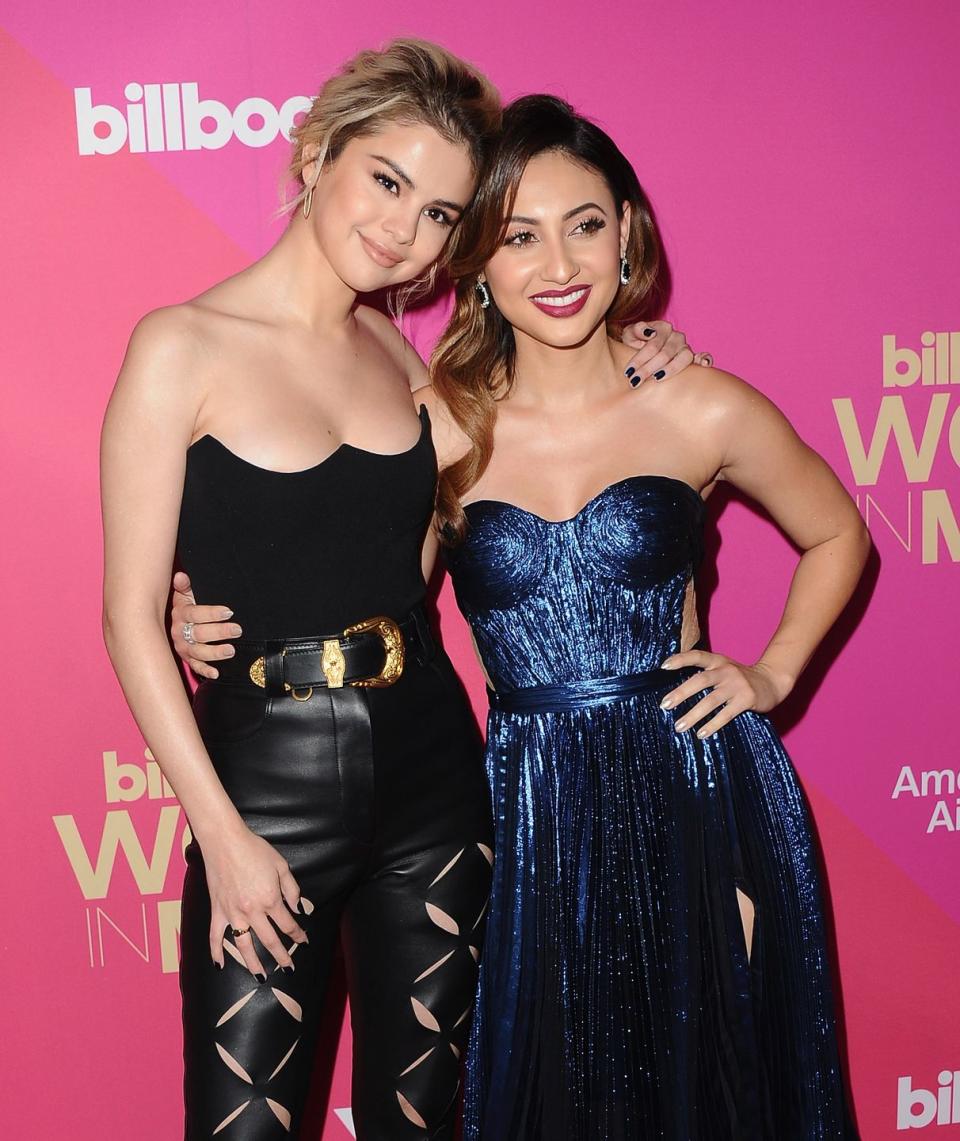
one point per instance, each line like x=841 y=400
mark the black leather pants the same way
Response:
x=378 y=801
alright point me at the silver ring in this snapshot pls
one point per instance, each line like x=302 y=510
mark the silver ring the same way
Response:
x=188 y=634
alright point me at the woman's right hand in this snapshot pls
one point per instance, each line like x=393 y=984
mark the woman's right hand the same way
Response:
x=252 y=891
x=206 y=623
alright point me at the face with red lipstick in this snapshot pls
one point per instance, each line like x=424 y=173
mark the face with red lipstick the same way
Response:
x=384 y=210
x=558 y=270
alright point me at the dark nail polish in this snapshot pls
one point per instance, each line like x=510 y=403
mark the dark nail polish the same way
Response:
x=649 y=332
x=219 y=966
x=630 y=371
x=659 y=375
x=634 y=382
x=261 y=978
x=287 y=970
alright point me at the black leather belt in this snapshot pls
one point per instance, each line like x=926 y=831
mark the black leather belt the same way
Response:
x=369 y=654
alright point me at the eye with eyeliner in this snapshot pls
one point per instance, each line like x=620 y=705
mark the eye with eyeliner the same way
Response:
x=591 y=225
x=514 y=239
x=442 y=219
x=389 y=184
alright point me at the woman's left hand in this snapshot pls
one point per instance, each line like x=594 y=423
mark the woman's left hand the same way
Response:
x=662 y=352
x=733 y=688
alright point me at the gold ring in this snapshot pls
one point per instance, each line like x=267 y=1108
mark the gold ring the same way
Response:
x=236 y=932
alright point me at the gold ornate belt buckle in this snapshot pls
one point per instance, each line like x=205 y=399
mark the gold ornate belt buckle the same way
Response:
x=390 y=634
x=334 y=666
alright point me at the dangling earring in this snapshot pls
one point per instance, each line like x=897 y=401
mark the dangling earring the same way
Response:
x=308 y=198
x=483 y=293
x=625 y=270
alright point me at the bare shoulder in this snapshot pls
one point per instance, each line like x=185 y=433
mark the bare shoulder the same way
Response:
x=708 y=394
x=713 y=386
x=177 y=338
x=168 y=360
x=449 y=439
x=395 y=343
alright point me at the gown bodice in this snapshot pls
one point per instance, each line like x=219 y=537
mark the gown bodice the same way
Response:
x=597 y=595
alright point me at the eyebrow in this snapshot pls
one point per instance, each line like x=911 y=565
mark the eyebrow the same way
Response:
x=569 y=214
x=408 y=181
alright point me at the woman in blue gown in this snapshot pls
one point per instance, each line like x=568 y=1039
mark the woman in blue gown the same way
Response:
x=655 y=963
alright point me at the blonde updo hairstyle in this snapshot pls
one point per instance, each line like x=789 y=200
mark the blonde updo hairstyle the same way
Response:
x=410 y=81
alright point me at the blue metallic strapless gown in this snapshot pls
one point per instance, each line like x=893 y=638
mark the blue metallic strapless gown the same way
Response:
x=616 y=1000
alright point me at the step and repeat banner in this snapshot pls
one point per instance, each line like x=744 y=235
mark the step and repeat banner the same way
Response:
x=802 y=161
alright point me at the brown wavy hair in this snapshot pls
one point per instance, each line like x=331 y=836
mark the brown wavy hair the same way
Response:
x=408 y=81
x=473 y=364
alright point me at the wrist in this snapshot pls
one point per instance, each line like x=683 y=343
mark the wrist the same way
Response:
x=222 y=831
x=782 y=680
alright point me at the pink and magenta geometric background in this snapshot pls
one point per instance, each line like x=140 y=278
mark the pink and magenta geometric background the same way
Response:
x=802 y=159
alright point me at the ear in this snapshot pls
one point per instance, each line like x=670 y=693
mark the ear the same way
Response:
x=624 y=225
x=308 y=171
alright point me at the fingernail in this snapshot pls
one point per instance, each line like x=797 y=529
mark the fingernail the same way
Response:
x=659 y=375
x=287 y=970
x=260 y=977
x=236 y=631
x=680 y=726
x=668 y=665
x=666 y=703
x=634 y=381
x=229 y=651
x=630 y=371
x=219 y=966
x=701 y=733
x=226 y=614
x=649 y=332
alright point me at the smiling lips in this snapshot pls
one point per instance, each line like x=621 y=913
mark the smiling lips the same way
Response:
x=562 y=302
x=380 y=254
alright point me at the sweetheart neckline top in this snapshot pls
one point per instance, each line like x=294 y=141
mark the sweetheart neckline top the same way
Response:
x=299 y=553
x=597 y=595
x=592 y=501
x=423 y=416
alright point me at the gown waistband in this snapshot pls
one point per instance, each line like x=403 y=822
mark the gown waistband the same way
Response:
x=582 y=694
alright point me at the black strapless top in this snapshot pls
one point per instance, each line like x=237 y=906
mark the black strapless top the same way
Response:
x=307 y=552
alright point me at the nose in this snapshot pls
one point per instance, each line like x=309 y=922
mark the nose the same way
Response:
x=559 y=264
x=401 y=224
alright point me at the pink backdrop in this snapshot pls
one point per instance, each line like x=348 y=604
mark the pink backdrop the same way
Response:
x=802 y=159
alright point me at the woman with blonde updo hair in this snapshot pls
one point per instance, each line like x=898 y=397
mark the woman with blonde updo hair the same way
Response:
x=264 y=434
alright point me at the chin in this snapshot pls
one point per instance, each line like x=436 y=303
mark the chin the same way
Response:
x=362 y=276
x=566 y=333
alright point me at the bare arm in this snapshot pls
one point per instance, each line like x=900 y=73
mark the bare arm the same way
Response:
x=147 y=430
x=764 y=457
